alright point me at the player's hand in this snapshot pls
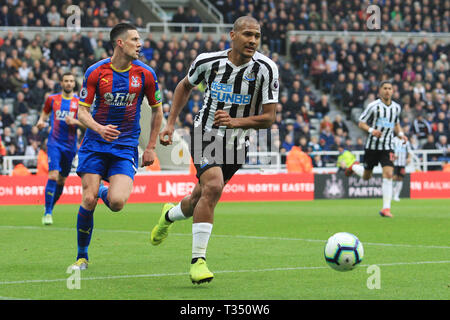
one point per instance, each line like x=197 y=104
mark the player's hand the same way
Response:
x=222 y=118
x=376 y=133
x=109 y=132
x=405 y=139
x=165 y=136
x=148 y=157
x=41 y=124
x=70 y=121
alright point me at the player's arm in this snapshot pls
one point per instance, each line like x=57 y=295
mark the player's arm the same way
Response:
x=262 y=121
x=364 y=126
x=87 y=96
x=108 y=132
x=180 y=99
x=42 y=122
x=45 y=114
x=74 y=122
x=149 y=154
x=399 y=132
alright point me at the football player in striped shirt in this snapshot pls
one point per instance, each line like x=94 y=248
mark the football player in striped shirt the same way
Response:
x=241 y=93
x=62 y=109
x=402 y=151
x=380 y=119
x=114 y=89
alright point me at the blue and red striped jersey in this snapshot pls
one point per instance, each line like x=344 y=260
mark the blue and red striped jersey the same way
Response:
x=116 y=97
x=62 y=134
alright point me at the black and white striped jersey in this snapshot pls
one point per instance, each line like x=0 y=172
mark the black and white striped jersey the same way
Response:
x=401 y=150
x=384 y=118
x=239 y=90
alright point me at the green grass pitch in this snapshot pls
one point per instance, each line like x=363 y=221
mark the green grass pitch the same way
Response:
x=258 y=251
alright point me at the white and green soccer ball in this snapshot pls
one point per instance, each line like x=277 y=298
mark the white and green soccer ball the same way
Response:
x=343 y=251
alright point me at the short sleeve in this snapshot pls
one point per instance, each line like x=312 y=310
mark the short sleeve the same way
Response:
x=87 y=92
x=48 y=105
x=151 y=88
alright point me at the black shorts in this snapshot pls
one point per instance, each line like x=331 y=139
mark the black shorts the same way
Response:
x=373 y=157
x=229 y=158
x=399 y=171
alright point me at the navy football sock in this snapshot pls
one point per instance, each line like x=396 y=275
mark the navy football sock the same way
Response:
x=50 y=191
x=58 y=193
x=85 y=225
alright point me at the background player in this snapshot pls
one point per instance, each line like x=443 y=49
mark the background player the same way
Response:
x=249 y=80
x=110 y=147
x=381 y=119
x=62 y=141
x=402 y=151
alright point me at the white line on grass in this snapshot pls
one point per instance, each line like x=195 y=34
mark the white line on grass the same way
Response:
x=157 y=275
x=229 y=236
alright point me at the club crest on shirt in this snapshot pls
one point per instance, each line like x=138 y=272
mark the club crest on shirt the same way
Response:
x=135 y=82
x=250 y=76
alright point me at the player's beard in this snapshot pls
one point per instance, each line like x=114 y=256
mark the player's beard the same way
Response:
x=67 y=91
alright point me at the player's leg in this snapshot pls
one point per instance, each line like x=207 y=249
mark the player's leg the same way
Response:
x=85 y=219
x=363 y=170
x=54 y=164
x=50 y=191
x=386 y=189
x=171 y=213
x=386 y=160
x=66 y=166
x=118 y=192
x=398 y=182
x=211 y=183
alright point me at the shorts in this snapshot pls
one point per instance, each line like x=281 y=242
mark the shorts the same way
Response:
x=110 y=160
x=60 y=159
x=399 y=171
x=229 y=158
x=373 y=157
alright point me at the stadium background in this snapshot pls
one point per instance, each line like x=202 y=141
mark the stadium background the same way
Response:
x=330 y=61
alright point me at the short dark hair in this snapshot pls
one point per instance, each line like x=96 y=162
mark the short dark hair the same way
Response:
x=68 y=73
x=382 y=83
x=118 y=30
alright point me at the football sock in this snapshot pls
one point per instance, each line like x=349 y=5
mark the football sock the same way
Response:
x=358 y=169
x=58 y=193
x=103 y=194
x=85 y=225
x=50 y=191
x=175 y=214
x=200 y=237
x=398 y=188
x=386 y=189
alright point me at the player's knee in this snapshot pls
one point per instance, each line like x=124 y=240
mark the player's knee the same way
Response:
x=89 y=201
x=116 y=204
x=213 y=190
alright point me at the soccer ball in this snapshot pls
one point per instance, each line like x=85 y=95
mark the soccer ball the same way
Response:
x=343 y=251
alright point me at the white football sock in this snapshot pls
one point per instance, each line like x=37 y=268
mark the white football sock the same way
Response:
x=358 y=169
x=387 y=193
x=200 y=236
x=176 y=213
x=398 y=185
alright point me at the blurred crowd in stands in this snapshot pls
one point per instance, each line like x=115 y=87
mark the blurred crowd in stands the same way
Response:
x=317 y=75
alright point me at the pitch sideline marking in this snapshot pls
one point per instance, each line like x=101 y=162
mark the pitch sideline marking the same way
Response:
x=155 y=275
x=231 y=236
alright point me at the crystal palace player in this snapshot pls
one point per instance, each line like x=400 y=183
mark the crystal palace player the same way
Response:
x=62 y=141
x=109 y=149
x=241 y=93
x=381 y=119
